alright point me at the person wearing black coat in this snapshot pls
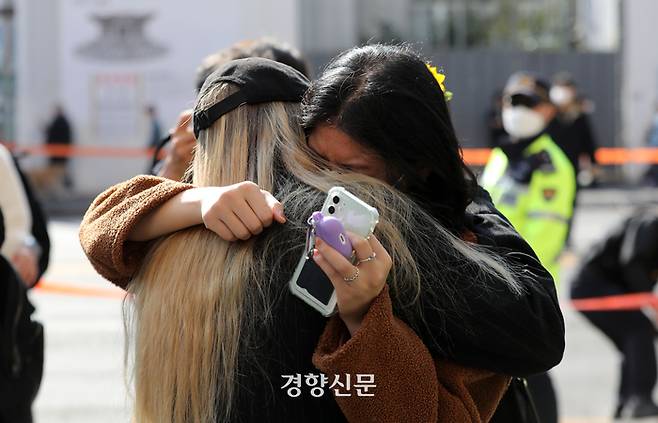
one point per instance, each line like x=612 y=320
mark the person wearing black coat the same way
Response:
x=21 y=346
x=626 y=261
x=571 y=128
x=55 y=176
x=21 y=338
x=59 y=132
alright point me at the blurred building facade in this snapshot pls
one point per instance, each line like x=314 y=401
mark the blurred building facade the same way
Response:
x=104 y=60
x=479 y=43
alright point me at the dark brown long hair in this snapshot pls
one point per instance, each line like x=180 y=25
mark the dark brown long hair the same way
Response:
x=385 y=98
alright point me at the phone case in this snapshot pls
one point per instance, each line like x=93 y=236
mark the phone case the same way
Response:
x=309 y=281
x=331 y=231
x=356 y=215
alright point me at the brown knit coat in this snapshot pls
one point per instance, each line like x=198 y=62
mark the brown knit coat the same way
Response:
x=411 y=386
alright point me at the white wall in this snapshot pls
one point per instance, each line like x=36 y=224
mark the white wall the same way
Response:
x=105 y=99
x=639 y=92
x=327 y=26
x=36 y=66
x=393 y=13
x=599 y=24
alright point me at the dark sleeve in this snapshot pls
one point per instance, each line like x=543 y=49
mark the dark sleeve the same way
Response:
x=2 y=229
x=638 y=255
x=507 y=333
x=67 y=132
x=586 y=137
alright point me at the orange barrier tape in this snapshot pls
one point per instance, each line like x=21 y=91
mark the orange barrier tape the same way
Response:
x=476 y=156
x=82 y=151
x=617 y=302
x=79 y=291
x=618 y=156
x=608 y=303
x=472 y=156
x=604 y=156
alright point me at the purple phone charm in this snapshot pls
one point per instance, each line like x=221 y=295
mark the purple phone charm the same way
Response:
x=331 y=231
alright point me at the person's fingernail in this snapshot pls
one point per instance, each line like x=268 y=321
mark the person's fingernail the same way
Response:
x=318 y=242
x=316 y=253
x=281 y=216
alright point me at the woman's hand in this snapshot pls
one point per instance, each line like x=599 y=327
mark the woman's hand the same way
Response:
x=181 y=151
x=26 y=263
x=369 y=276
x=239 y=211
x=233 y=212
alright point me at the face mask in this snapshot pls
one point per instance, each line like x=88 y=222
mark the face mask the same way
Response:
x=522 y=122
x=561 y=96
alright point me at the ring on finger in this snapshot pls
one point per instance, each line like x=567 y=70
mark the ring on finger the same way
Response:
x=369 y=258
x=353 y=277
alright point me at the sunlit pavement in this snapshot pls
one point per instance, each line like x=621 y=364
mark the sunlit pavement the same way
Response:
x=84 y=375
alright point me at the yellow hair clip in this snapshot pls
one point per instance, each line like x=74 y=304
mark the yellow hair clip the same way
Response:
x=440 y=77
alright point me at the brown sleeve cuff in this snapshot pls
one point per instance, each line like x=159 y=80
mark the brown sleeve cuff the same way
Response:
x=113 y=215
x=411 y=386
x=403 y=369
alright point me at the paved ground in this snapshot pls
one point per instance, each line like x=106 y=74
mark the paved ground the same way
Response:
x=84 y=379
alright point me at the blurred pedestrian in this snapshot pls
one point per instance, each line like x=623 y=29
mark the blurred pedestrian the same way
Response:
x=60 y=132
x=530 y=178
x=39 y=229
x=533 y=184
x=20 y=247
x=626 y=261
x=572 y=132
x=21 y=338
x=154 y=129
x=55 y=177
x=571 y=128
x=651 y=177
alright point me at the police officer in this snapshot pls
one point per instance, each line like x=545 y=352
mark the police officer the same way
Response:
x=533 y=183
x=626 y=261
x=531 y=180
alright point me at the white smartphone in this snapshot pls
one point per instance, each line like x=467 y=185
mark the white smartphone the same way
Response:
x=309 y=281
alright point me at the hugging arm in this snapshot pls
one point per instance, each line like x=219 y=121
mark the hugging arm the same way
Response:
x=439 y=389
x=113 y=215
x=508 y=333
x=115 y=231
x=514 y=335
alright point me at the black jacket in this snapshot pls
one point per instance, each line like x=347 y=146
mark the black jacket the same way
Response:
x=516 y=336
x=507 y=334
x=627 y=256
x=59 y=132
x=21 y=346
x=575 y=137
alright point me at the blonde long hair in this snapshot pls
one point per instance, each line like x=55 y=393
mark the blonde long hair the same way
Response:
x=197 y=296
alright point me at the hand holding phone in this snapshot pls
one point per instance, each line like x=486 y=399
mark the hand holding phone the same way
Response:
x=357 y=283
x=309 y=282
x=331 y=231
